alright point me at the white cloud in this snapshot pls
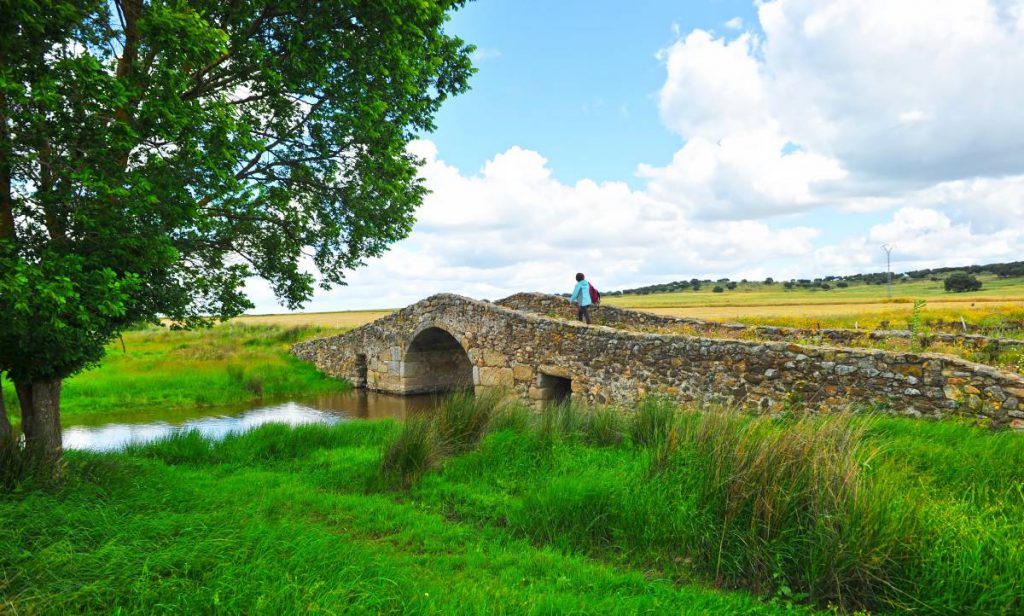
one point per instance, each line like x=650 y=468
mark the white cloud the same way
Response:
x=906 y=111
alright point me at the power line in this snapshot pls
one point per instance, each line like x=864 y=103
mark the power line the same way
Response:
x=888 y=265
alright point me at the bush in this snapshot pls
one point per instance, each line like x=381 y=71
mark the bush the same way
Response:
x=718 y=289
x=731 y=286
x=960 y=282
x=842 y=284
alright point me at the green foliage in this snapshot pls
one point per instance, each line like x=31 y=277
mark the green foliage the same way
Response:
x=161 y=153
x=960 y=282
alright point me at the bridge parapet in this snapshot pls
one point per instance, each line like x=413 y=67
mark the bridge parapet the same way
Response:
x=448 y=341
x=638 y=320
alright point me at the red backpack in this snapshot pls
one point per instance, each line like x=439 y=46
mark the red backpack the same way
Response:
x=595 y=295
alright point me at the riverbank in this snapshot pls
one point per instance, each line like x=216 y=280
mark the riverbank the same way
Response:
x=483 y=510
x=158 y=368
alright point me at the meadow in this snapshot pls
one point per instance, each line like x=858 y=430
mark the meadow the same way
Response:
x=485 y=508
x=156 y=368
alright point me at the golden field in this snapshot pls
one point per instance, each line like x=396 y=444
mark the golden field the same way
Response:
x=999 y=302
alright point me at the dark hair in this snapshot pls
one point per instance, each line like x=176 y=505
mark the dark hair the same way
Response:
x=579 y=276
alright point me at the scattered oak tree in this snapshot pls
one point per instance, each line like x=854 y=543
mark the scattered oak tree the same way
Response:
x=960 y=282
x=154 y=154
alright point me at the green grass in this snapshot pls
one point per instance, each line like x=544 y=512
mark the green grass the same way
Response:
x=676 y=511
x=703 y=513
x=164 y=369
x=281 y=521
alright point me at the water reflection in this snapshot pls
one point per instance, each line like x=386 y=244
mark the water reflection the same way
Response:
x=115 y=430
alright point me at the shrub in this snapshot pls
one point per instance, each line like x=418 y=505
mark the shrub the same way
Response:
x=718 y=289
x=731 y=286
x=842 y=284
x=960 y=282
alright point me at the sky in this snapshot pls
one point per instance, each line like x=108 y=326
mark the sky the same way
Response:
x=654 y=141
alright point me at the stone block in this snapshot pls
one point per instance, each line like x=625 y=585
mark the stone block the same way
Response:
x=496 y=377
x=553 y=370
x=522 y=372
x=494 y=359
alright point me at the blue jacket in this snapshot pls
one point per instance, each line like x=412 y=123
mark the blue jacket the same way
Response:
x=581 y=294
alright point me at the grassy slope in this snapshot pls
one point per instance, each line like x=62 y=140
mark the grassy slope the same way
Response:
x=279 y=522
x=164 y=369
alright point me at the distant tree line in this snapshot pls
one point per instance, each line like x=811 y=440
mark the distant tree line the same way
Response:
x=966 y=282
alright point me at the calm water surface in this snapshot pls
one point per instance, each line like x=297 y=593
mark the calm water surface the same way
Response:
x=111 y=431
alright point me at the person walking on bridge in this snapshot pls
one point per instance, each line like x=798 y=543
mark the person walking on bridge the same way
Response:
x=581 y=297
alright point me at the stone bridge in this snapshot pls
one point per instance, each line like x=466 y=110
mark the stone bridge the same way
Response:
x=525 y=345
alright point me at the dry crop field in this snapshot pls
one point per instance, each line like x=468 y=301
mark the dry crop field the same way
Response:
x=1000 y=303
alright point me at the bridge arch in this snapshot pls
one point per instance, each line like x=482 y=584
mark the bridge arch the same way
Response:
x=435 y=362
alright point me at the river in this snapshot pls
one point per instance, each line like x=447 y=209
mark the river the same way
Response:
x=111 y=431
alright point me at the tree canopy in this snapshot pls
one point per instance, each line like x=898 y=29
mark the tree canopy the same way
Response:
x=154 y=154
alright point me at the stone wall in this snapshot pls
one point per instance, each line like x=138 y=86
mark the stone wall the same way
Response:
x=637 y=320
x=531 y=356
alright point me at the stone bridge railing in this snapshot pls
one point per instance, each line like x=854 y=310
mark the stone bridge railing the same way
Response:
x=447 y=341
x=621 y=318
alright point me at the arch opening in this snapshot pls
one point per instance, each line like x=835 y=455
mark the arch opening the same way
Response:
x=360 y=370
x=435 y=362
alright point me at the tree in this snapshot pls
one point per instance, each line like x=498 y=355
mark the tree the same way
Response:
x=960 y=282
x=154 y=154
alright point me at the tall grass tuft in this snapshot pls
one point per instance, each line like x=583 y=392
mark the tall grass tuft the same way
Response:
x=462 y=419
x=513 y=415
x=789 y=509
x=414 y=451
x=604 y=426
x=652 y=421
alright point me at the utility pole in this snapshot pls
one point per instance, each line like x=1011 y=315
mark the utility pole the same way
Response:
x=888 y=265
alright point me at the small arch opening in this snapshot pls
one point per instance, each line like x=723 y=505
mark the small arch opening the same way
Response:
x=435 y=362
x=554 y=389
x=360 y=370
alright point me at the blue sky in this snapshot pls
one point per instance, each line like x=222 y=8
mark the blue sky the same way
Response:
x=653 y=141
x=574 y=79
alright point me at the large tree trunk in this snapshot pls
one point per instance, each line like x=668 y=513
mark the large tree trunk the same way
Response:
x=6 y=433
x=40 y=421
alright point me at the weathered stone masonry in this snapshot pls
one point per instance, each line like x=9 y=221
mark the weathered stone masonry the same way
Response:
x=553 y=305
x=447 y=341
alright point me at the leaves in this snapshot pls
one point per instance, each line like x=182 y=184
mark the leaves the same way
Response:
x=162 y=154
